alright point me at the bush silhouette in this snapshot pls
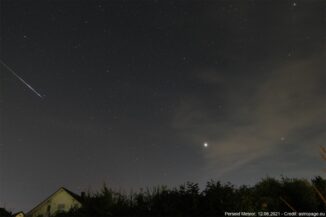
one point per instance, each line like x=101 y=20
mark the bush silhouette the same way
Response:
x=215 y=199
x=4 y=213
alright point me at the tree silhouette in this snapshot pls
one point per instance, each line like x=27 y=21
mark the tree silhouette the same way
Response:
x=216 y=198
x=4 y=213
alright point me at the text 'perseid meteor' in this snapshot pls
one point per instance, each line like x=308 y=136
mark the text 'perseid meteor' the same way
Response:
x=22 y=80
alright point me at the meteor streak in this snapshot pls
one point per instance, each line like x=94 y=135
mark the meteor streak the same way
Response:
x=22 y=80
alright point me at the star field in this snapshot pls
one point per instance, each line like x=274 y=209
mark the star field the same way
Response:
x=145 y=93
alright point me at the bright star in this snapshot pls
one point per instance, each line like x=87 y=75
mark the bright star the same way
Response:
x=205 y=144
x=282 y=138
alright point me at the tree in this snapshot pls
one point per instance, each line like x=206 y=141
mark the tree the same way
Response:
x=218 y=198
x=300 y=194
x=4 y=213
x=268 y=191
x=246 y=199
x=320 y=187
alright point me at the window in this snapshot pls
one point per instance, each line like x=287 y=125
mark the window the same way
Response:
x=61 y=207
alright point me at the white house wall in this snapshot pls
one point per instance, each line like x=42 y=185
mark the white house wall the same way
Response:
x=55 y=202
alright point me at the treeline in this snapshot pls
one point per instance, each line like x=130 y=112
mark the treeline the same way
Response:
x=5 y=213
x=270 y=194
x=284 y=195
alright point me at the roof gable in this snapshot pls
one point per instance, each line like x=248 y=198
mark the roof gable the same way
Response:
x=62 y=189
x=18 y=214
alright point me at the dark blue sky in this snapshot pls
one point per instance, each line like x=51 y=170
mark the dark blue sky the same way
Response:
x=133 y=89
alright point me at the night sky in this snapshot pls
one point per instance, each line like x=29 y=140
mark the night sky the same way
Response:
x=132 y=91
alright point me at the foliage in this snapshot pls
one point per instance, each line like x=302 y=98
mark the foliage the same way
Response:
x=301 y=194
x=215 y=199
x=320 y=184
x=4 y=213
x=268 y=192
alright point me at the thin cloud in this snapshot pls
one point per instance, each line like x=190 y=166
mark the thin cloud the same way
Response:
x=269 y=122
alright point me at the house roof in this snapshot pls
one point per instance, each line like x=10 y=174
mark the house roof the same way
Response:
x=75 y=196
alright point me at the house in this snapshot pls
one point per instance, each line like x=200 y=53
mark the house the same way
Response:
x=19 y=214
x=60 y=201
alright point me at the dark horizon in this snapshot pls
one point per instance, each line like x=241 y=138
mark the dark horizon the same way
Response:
x=144 y=93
